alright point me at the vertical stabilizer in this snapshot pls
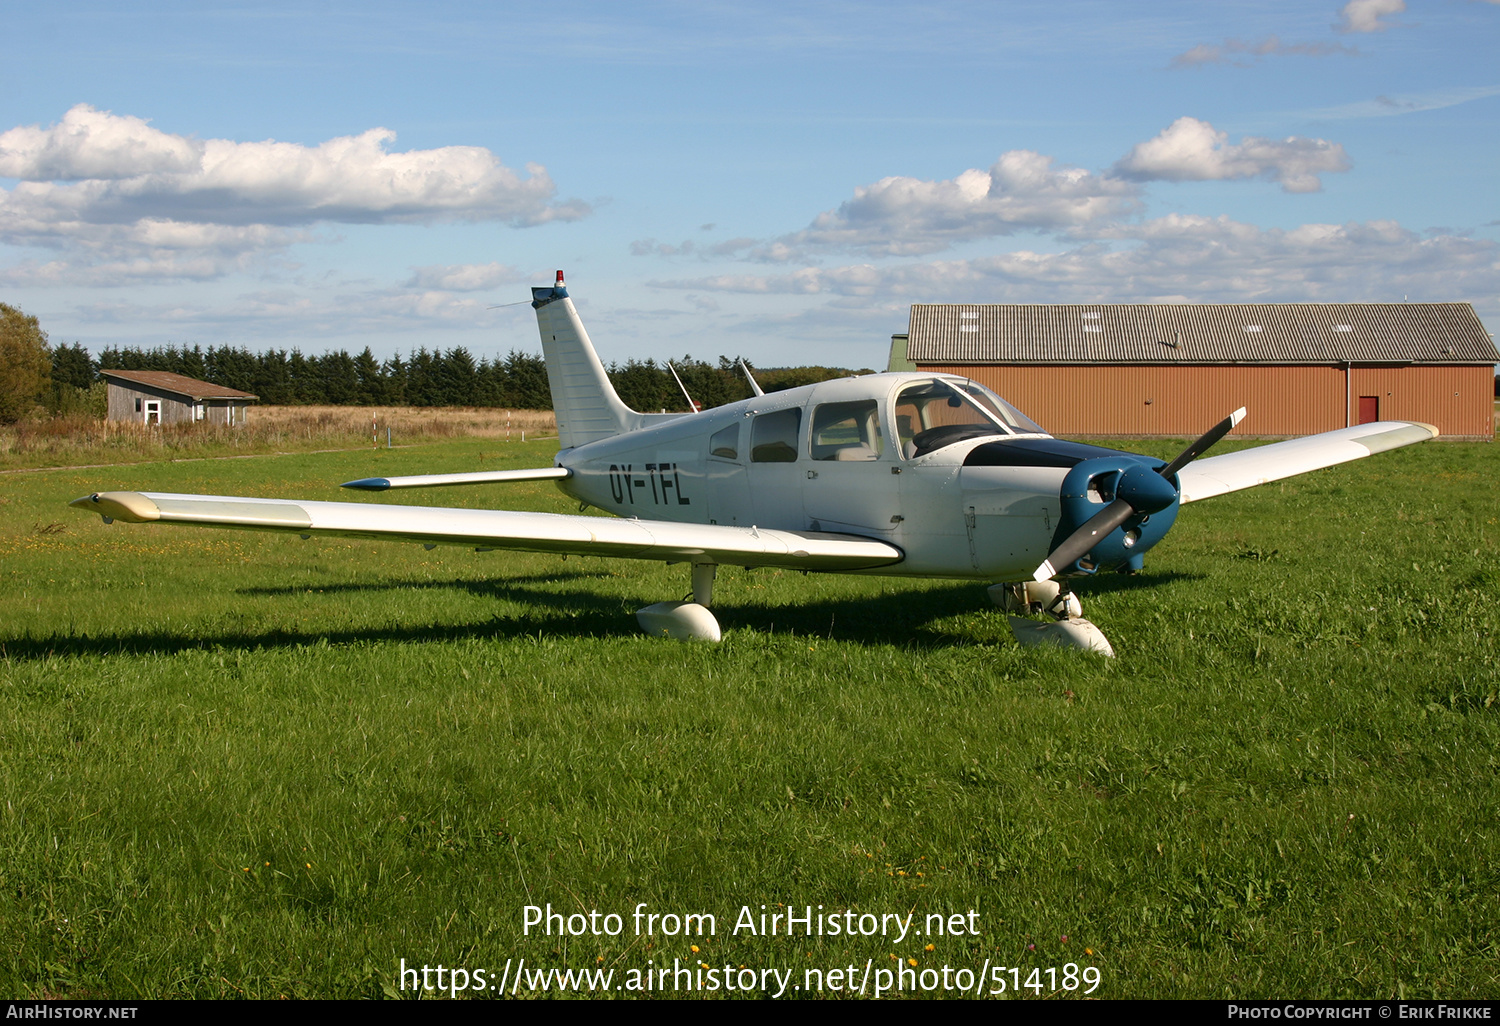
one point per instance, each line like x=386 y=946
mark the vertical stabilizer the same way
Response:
x=585 y=402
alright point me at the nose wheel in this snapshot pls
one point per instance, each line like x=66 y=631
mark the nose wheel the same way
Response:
x=1060 y=620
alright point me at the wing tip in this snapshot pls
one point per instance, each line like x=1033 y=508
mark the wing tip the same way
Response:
x=368 y=484
x=131 y=507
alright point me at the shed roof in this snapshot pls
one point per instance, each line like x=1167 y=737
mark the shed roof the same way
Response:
x=1265 y=333
x=190 y=388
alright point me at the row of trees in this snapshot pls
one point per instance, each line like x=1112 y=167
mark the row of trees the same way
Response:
x=36 y=376
x=445 y=378
x=283 y=378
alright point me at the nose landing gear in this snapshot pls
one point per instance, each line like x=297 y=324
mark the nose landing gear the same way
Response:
x=1055 y=599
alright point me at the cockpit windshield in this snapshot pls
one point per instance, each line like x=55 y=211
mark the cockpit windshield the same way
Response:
x=933 y=414
x=1008 y=414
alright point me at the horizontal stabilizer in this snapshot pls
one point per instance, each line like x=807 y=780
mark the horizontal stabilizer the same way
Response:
x=380 y=484
x=1203 y=479
x=500 y=529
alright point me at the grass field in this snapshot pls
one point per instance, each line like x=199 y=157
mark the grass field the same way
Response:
x=245 y=765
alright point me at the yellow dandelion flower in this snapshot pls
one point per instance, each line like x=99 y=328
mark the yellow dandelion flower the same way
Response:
x=930 y=947
x=911 y=962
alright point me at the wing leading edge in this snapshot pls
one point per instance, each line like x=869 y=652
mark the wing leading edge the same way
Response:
x=1216 y=475
x=502 y=529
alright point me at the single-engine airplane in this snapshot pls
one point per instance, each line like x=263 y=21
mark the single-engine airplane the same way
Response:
x=907 y=475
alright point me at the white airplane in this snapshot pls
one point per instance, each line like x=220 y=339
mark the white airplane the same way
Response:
x=905 y=475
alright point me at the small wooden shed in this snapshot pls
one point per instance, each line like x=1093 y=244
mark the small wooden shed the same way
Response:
x=159 y=397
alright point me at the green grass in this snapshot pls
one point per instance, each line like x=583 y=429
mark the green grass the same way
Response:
x=246 y=765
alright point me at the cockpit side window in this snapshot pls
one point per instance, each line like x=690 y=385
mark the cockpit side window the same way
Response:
x=773 y=436
x=847 y=431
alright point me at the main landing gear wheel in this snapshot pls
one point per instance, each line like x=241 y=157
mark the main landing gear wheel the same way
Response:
x=688 y=620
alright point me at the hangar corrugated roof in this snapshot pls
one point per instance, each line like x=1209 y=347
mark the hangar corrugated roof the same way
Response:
x=1265 y=333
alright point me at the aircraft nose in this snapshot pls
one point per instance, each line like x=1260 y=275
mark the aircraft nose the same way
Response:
x=1145 y=490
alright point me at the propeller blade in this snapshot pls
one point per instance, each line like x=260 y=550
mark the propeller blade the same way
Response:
x=1077 y=544
x=1195 y=450
x=1148 y=498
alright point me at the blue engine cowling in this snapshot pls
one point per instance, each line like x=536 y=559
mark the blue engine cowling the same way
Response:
x=1094 y=483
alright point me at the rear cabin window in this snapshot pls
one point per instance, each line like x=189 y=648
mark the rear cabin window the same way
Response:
x=725 y=444
x=773 y=436
x=847 y=431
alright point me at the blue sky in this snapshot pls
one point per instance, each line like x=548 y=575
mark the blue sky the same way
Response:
x=780 y=181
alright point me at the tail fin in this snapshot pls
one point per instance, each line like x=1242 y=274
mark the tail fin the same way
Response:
x=586 y=404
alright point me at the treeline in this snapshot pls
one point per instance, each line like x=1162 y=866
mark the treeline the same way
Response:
x=437 y=378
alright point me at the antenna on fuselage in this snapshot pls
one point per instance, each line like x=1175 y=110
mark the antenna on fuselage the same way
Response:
x=692 y=406
x=754 y=385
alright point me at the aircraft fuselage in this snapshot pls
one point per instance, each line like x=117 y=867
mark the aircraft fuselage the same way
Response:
x=849 y=456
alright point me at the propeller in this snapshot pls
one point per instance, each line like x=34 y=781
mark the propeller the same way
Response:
x=1140 y=492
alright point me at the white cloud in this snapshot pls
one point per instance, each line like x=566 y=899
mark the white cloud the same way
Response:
x=1365 y=15
x=905 y=216
x=106 y=187
x=1235 y=51
x=1193 y=150
x=149 y=250
x=464 y=277
x=650 y=247
x=91 y=143
x=1174 y=258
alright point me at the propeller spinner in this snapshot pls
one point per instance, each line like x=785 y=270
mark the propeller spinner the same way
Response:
x=1139 y=492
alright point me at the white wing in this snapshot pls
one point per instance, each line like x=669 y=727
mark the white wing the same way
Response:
x=499 y=529
x=1203 y=479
